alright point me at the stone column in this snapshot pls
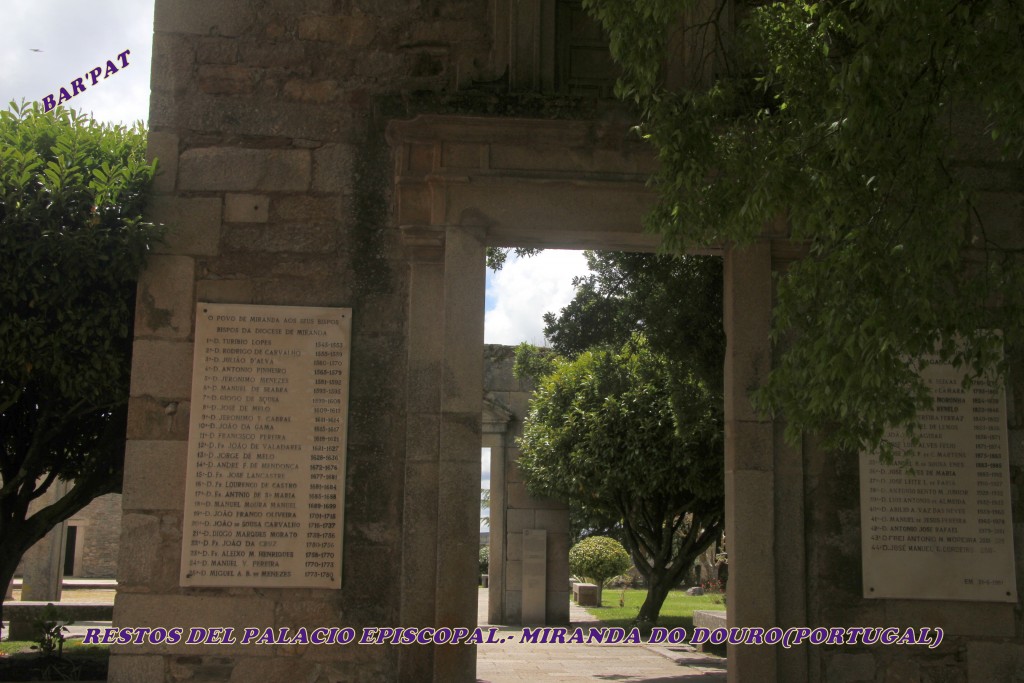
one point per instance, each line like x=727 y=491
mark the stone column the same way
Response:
x=442 y=489
x=459 y=456
x=423 y=406
x=749 y=459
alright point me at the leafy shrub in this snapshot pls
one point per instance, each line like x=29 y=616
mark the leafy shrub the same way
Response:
x=485 y=559
x=598 y=559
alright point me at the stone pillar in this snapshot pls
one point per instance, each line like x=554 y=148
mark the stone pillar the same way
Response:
x=459 y=456
x=442 y=491
x=419 y=524
x=749 y=459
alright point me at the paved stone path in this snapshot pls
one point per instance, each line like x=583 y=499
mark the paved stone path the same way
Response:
x=515 y=662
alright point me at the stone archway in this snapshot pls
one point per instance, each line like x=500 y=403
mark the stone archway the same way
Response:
x=465 y=183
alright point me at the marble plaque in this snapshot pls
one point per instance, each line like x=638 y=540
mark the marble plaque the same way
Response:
x=265 y=485
x=943 y=530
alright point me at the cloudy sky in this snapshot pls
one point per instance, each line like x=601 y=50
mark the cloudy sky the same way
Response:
x=74 y=37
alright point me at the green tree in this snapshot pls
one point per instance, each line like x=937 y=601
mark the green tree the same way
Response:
x=674 y=301
x=598 y=559
x=852 y=124
x=618 y=437
x=72 y=243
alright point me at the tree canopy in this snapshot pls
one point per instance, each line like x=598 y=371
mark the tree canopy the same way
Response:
x=616 y=435
x=72 y=242
x=674 y=301
x=858 y=125
x=598 y=559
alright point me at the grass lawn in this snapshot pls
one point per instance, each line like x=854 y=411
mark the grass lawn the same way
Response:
x=676 y=612
x=18 y=662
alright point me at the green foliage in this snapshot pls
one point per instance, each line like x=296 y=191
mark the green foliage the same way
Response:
x=621 y=438
x=51 y=625
x=496 y=256
x=602 y=428
x=485 y=559
x=674 y=301
x=485 y=503
x=848 y=123
x=533 y=363
x=598 y=559
x=72 y=242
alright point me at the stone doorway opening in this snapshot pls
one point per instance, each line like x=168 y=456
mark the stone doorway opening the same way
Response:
x=466 y=183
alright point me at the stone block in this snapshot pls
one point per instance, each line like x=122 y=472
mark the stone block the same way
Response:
x=849 y=668
x=749 y=446
x=193 y=225
x=747 y=302
x=225 y=291
x=139 y=554
x=162 y=369
x=585 y=594
x=163 y=147
x=172 y=68
x=553 y=521
x=514 y=546
x=351 y=31
x=307 y=209
x=558 y=561
x=750 y=529
x=318 y=91
x=227 y=79
x=164 y=305
x=557 y=612
x=995 y=661
x=981 y=620
x=155 y=419
x=287 y=55
x=423 y=437
x=236 y=611
x=154 y=475
x=222 y=18
x=301 y=238
x=517 y=520
x=218 y=50
x=236 y=116
x=901 y=671
x=133 y=669
x=514 y=579
x=241 y=169
x=246 y=208
x=276 y=669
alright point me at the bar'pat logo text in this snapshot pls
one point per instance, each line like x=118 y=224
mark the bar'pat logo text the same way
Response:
x=78 y=85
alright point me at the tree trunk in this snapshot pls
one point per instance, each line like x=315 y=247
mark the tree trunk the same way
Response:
x=660 y=585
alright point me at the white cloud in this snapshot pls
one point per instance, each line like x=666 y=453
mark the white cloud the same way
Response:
x=75 y=37
x=524 y=290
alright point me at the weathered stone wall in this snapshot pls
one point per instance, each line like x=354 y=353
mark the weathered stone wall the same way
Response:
x=512 y=508
x=99 y=528
x=275 y=185
x=983 y=641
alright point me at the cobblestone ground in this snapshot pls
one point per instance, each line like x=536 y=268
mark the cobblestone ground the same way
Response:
x=515 y=662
